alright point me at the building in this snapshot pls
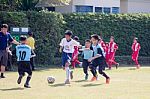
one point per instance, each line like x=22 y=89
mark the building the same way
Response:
x=101 y=6
x=135 y=6
x=104 y=6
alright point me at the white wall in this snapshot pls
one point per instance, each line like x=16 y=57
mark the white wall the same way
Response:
x=123 y=6
x=136 y=6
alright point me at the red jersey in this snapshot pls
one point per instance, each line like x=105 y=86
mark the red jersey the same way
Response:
x=112 y=47
x=102 y=43
x=136 y=47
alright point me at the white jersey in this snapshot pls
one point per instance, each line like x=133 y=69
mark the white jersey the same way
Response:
x=68 y=46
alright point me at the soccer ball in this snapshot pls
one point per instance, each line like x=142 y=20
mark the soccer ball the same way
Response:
x=50 y=80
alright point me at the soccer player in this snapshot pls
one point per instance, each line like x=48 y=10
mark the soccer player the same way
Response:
x=107 y=53
x=23 y=53
x=5 y=37
x=112 y=51
x=31 y=43
x=98 y=59
x=135 y=52
x=75 y=53
x=102 y=43
x=87 y=54
x=67 y=48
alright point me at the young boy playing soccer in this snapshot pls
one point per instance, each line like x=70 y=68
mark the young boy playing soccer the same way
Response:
x=98 y=59
x=67 y=45
x=75 y=53
x=23 y=53
x=87 y=54
x=113 y=47
x=135 y=52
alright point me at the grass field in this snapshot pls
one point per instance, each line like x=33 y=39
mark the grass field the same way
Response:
x=126 y=83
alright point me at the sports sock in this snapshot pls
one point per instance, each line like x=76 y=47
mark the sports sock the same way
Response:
x=103 y=74
x=28 y=80
x=67 y=72
x=2 y=74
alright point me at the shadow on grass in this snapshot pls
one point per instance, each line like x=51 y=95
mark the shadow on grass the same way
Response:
x=57 y=85
x=12 y=89
x=132 y=69
x=78 y=81
x=92 y=85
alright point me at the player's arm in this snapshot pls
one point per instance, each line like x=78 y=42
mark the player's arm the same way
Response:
x=61 y=45
x=12 y=40
x=97 y=56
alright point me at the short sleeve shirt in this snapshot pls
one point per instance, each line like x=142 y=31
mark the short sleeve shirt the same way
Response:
x=68 y=46
x=4 y=39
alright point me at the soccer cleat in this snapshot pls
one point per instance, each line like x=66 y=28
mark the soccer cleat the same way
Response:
x=107 y=80
x=67 y=81
x=3 y=76
x=94 y=79
x=71 y=74
x=26 y=86
x=86 y=77
x=138 y=66
x=19 y=80
x=117 y=65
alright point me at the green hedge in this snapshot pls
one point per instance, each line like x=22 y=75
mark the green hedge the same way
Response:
x=124 y=27
x=49 y=28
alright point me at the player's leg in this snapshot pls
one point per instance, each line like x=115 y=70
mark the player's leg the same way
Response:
x=4 y=59
x=85 y=68
x=20 y=72
x=136 y=60
x=101 y=68
x=93 y=68
x=29 y=71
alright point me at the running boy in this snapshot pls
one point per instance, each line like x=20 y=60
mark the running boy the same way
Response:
x=98 y=59
x=113 y=47
x=87 y=54
x=67 y=45
x=23 y=53
x=75 y=53
x=135 y=52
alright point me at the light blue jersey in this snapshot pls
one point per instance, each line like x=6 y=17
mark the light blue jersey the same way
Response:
x=23 y=52
x=87 y=54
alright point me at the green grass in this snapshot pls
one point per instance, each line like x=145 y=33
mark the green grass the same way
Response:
x=126 y=83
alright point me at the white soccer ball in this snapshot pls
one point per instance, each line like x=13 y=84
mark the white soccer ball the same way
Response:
x=50 y=79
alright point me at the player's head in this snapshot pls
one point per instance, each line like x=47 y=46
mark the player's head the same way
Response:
x=4 y=28
x=95 y=39
x=68 y=34
x=111 y=39
x=107 y=43
x=30 y=33
x=76 y=38
x=135 y=39
x=23 y=39
x=87 y=43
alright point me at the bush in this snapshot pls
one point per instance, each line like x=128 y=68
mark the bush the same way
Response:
x=50 y=26
x=124 y=27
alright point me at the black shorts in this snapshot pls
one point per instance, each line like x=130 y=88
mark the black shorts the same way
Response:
x=85 y=63
x=99 y=62
x=3 y=57
x=24 y=66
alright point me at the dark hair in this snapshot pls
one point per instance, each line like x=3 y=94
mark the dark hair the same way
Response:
x=112 y=37
x=23 y=38
x=4 y=26
x=88 y=40
x=68 y=32
x=95 y=36
x=30 y=33
x=76 y=38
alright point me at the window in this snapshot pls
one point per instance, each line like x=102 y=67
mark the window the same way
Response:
x=84 y=8
x=98 y=9
x=115 y=9
x=107 y=10
x=51 y=8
